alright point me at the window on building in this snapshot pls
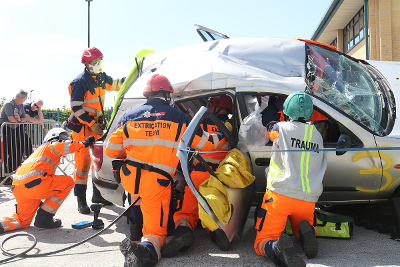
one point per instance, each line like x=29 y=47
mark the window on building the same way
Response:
x=353 y=33
x=334 y=43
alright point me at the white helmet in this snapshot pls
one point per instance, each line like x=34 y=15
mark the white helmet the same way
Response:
x=57 y=133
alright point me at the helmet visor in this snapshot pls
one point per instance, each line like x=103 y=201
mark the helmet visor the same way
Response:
x=65 y=136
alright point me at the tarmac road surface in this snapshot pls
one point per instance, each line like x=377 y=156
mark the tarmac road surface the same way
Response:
x=365 y=248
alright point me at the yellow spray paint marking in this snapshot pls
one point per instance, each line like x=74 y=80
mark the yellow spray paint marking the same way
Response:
x=387 y=175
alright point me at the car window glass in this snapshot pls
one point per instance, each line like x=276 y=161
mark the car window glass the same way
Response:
x=346 y=85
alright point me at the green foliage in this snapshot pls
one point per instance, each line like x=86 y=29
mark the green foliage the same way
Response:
x=2 y=100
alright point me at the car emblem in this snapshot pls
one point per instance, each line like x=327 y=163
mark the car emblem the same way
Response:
x=147 y=114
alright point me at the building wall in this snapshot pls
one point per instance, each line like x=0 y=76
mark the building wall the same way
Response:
x=396 y=29
x=384 y=29
x=358 y=51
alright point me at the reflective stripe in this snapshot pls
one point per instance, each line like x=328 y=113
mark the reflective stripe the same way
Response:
x=29 y=174
x=56 y=200
x=273 y=173
x=115 y=146
x=79 y=112
x=150 y=142
x=81 y=181
x=15 y=222
x=4 y=224
x=81 y=173
x=53 y=147
x=42 y=158
x=216 y=140
x=166 y=168
x=48 y=208
x=67 y=144
x=304 y=163
x=208 y=160
x=93 y=100
x=154 y=240
x=203 y=141
x=76 y=103
x=183 y=222
x=114 y=85
x=87 y=109
x=262 y=250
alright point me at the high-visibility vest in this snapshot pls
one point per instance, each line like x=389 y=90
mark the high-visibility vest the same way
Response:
x=151 y=134
x=85 y=91
x=44 y=161
x=297 y=174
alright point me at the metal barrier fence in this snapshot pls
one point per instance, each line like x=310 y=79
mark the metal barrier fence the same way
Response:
x=19 y=140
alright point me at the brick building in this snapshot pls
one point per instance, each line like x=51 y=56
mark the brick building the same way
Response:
x=347 y=21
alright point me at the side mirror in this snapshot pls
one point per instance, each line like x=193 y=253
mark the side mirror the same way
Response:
x=343 y=142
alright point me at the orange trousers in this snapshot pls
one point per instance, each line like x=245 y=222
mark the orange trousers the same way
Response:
x=155 y=193
x=188 y=215
x=82 y=161
x=272 y=217
x=53 y=188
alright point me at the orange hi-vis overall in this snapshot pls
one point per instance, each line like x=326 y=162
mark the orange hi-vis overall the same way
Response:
x=85 y=92
x=149 y=136
x=36 y=180
x=188 y=215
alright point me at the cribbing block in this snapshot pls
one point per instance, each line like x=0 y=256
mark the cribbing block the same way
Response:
x=385 y=216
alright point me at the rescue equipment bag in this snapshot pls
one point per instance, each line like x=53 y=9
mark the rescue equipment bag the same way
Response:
x=329 y=225
x=73 y=124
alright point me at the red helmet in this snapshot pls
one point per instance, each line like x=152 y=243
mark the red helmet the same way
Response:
x=157 y=83
x=91 y=53
x=222 y=101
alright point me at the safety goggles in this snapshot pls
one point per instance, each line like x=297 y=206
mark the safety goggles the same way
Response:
x=95 y=62
x=65 y=136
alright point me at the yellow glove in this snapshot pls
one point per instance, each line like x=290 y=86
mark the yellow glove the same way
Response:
x=229 y=126
x=97 y=128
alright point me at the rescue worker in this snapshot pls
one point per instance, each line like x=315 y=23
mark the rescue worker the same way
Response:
x=36 y=180
x=187 y=217
x=294 y=184
x=148 y=136
x=87 y=93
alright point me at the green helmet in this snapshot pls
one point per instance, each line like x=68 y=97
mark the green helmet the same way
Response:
x=298 y=105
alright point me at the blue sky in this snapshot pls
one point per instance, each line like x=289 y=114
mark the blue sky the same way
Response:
x=42 y=40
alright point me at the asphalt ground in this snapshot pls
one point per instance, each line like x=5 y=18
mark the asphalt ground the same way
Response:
x=365 y=248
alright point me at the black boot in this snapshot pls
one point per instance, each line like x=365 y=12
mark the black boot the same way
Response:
x=46 y=220
x=183 y=239
x=307 y=239
x=285 y=255
x=222 y=240
x=136 y=230
x=82 y=205
x=98 y=198
x=136 y=255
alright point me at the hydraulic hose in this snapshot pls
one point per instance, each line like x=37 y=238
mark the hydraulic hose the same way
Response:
x=24 y=255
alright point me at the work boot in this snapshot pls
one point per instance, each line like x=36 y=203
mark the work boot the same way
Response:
x=46 y=220
x=307 y=239
x=136 y=255
x=284 y=253
x=180 y=243
x=222 y=240
x=82 y=205
x=135 y=230
x=98 y=198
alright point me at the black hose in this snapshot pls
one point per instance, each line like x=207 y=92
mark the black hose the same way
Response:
x=24 y=255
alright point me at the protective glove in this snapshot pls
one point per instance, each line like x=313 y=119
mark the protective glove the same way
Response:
x=88 y=141
x=97 y=128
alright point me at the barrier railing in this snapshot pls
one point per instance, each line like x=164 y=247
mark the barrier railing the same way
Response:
x=19 y=140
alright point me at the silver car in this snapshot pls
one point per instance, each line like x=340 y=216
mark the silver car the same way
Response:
x=356 y=98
